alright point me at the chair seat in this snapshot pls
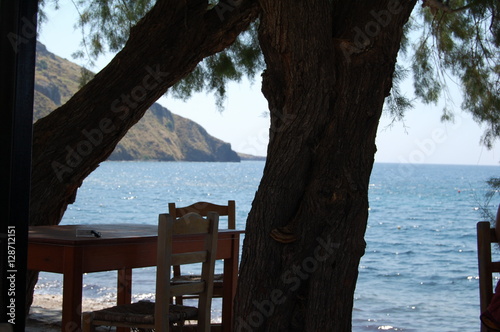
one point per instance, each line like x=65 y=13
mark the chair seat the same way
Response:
x=184 y=279
x=142 y=312
x=162 y=315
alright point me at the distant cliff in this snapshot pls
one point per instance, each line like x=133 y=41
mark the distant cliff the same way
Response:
x=159 y=135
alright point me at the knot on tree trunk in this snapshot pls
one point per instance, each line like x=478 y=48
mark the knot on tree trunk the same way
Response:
x=283 y=234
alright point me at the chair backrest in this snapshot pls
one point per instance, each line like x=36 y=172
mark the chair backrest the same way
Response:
x=189 y=224
x=485 y=237
x=203 y=208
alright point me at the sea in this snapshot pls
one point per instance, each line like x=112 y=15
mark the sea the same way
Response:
x=419 y=271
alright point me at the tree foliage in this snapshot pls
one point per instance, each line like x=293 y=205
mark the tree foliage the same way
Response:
x=488 y=207
x=243 y=58
x=105 y=27
x=460 y=40
x=446 y=41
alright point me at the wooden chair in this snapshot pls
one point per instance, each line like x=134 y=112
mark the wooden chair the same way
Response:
x=203 y=208
x=485 y=237
x=161 y=315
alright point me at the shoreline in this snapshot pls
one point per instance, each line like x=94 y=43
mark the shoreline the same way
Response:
x=45 y=312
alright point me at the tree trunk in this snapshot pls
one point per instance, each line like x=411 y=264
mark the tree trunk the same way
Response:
x=163 y=47
x=329 y=68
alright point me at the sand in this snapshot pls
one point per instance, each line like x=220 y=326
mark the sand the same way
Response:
x=45 y=312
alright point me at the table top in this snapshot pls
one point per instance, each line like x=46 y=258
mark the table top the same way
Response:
x=98 y=233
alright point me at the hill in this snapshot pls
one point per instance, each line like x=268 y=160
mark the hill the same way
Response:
x=159 y=135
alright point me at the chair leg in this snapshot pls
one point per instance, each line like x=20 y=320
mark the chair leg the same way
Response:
x=87 y=320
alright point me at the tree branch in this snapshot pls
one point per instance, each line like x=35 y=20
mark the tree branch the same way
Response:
x=163 y=48
x=437 y=5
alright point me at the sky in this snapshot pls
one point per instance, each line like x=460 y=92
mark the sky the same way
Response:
x=421 y=138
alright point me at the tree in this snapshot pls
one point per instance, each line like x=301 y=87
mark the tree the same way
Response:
x=329 y=66
x=70 y=142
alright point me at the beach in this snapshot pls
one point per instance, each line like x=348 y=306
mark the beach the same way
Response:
x=45 y=312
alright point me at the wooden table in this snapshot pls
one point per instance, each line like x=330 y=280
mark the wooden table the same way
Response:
x=121 y=247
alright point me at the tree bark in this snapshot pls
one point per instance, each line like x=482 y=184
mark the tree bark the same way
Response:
x=329 y=68
x=163 y=47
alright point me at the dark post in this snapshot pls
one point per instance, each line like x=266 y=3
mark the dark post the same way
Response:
x=18 y=20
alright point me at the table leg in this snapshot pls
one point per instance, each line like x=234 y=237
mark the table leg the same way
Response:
x=72 y=290
x=124 y=286
x=124 y=289
x=230 y=282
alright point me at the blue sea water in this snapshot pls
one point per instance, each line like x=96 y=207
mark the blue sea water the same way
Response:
x=419 y=272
